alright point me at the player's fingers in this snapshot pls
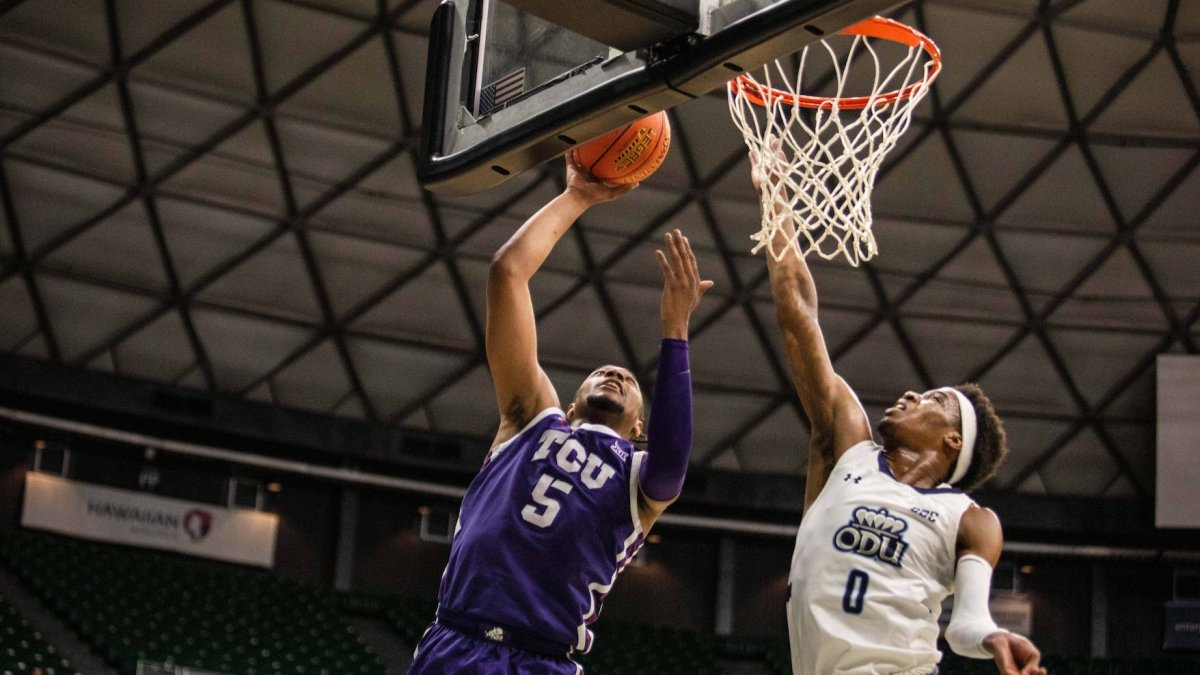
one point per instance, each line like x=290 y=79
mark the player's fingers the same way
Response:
x=693 y=266
x=689 y=261
x=662 y=263
x=683 y=250
x=704 y=286
x=672 y=246
x=678 y=255
x=1033 y=666
x=1004 y=659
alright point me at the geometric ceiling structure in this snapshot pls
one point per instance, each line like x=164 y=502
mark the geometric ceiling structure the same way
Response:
x=221 y=195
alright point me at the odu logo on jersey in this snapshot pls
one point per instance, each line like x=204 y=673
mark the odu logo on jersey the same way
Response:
x=873 y=534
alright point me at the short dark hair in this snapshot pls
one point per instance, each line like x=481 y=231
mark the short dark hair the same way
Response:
x=991 y=441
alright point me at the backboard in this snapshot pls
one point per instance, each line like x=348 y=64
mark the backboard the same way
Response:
x=513 y=83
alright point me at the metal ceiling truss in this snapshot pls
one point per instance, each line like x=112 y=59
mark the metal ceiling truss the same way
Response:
x=889 y=309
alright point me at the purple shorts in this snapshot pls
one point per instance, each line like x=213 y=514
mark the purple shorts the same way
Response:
x=443 y=651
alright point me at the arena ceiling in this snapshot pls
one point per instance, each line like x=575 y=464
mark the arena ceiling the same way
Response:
x=220 y=194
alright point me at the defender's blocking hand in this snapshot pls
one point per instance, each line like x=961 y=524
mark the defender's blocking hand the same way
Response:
x=682 y=286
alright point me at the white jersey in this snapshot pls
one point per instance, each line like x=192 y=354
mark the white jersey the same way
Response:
x=874 y=559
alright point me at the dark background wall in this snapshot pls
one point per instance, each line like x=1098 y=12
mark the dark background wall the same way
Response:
x=1062 y=602
x=13 y=464
x=761 y=586
x=673 y=586
x=390 y=556
x=1135 y=597
x=307 y=540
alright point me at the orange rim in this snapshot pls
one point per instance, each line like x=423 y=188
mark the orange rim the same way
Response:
x=875 y=27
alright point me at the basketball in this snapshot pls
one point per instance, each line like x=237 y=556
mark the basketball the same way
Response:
x=628 y=154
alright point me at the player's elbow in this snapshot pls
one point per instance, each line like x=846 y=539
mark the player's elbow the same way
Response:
x=792 y=305
x=797 y=321
x=504 y=268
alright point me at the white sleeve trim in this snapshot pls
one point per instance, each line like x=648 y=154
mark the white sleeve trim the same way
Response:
x=971 y=621
x=635 y=490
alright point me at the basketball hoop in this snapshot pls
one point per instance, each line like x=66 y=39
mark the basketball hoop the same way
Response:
x=819 y=155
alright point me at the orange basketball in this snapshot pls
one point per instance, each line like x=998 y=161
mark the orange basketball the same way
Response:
x=629 y=154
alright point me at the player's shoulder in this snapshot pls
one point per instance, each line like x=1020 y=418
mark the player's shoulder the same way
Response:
x=552 y=417
x=980 y=532
x=864 y=451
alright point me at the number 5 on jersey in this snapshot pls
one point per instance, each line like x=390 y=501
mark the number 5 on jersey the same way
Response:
x=550 y=506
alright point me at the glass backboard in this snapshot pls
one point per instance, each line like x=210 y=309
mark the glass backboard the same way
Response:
x=514 y=83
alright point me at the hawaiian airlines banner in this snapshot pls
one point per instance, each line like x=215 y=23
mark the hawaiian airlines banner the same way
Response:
x=123 y=517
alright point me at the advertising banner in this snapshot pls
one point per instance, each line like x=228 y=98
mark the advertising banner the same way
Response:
x=119 y=516
x=1182 y=626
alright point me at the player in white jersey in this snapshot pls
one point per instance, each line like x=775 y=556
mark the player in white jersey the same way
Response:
x=888 y=530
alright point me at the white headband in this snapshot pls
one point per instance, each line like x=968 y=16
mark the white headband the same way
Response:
x=966 y=413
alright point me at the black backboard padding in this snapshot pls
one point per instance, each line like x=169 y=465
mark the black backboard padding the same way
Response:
x=624 y=24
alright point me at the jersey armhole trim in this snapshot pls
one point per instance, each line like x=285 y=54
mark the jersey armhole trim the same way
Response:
x=529 y=425
x=853 y=452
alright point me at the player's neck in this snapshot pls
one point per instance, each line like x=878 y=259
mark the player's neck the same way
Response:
x=612 y=422
x=919 y=468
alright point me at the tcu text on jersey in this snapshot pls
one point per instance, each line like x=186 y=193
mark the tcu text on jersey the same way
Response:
x=570 y=456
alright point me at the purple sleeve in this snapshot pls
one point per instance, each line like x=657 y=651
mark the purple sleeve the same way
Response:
x=669 y=441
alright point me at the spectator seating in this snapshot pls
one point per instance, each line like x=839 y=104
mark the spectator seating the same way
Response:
x=132 y=604
x=22 y=648
x=624 y=648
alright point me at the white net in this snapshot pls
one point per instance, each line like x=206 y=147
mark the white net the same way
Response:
x=820 y=155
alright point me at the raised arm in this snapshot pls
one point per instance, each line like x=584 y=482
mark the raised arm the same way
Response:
x=837 y=418
x=669 y=440
x=522 y=388
x=972 y=632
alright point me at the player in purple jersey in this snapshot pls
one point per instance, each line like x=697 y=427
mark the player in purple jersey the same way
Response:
x=564 y=499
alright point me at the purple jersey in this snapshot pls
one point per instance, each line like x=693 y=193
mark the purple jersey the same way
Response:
x=545 y=528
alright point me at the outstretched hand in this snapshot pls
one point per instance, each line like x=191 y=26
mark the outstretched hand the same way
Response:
x=591 y=190
x=682 y=286
x=772 y=155
x=1014 y=655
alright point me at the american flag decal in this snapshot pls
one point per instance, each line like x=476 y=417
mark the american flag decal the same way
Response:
x=502 y=91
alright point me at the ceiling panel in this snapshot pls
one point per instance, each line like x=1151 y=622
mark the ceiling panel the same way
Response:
x=104 y=252
x=211 y=57
x=72 y=33
x=274 y=281
x=203 y=237
x=85 y=316
x=48 y=203
x=241 y=346
x=1082 y=467
x=316 y=381
x=154 y=353
x=19 y=320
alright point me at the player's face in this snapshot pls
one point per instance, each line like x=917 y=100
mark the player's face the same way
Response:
x=612 y=390
x=918 y=415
